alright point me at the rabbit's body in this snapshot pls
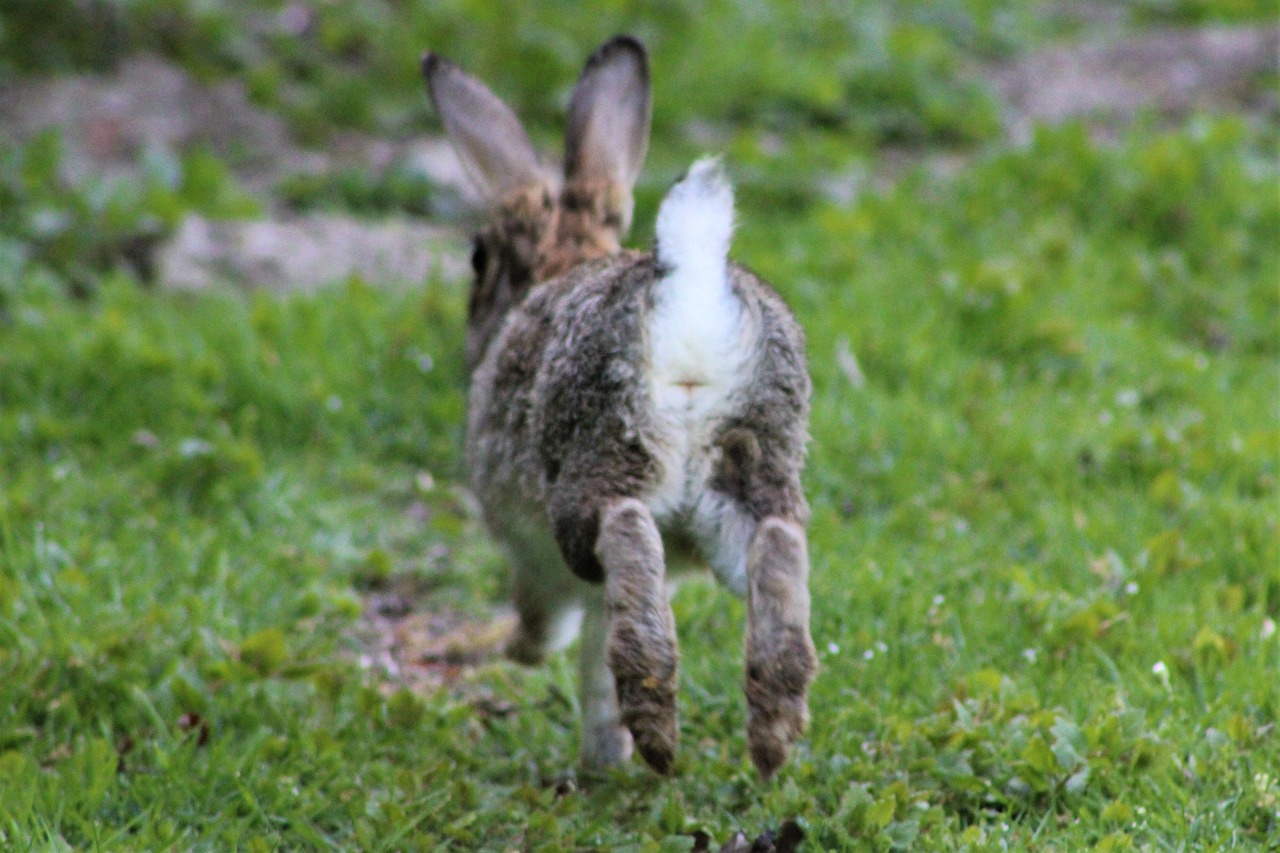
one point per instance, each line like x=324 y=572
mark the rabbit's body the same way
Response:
x=652 y=411
x=630 y=413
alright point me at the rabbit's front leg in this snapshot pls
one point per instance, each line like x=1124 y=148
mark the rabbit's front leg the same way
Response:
x=547 y=599
x=605 y=741
x=641 y=645
x=780 y=658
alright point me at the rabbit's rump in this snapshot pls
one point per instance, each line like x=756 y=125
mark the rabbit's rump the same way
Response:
x=594 y=391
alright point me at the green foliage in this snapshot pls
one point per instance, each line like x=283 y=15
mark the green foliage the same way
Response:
x=1043 y=475
x=94 y=34
x=394 y=189
x=1043 y=543
x=79 y=232
x=1203 y=11
x=196 y=396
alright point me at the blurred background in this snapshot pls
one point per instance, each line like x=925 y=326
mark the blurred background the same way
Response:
x=130 y=128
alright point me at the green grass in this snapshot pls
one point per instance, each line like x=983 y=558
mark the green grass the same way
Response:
x=1044 y=543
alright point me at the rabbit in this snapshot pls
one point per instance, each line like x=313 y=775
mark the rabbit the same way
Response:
x=630 y=412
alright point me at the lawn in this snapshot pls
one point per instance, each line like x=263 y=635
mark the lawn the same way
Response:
x=1043 y=471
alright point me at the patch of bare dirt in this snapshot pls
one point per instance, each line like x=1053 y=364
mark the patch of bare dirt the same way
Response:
x=108 y=122
x=405 y=644
x=306 y=253
x=1109 y=82
x=147 y=104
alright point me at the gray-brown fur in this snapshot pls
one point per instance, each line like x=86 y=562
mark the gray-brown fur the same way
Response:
x=642 y=633
x=565 y=443
x=779 y=655
x=566 y=419
x=506 y=256
x=775 y=415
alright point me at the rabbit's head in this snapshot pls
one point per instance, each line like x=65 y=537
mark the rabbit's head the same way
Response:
x=540 y=224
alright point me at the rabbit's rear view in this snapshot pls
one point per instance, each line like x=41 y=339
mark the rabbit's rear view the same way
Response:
x=629 y=411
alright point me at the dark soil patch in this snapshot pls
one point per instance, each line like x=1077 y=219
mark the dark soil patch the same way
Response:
x=425 y=649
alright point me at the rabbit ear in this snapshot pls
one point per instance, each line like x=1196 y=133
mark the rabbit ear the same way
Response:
x=609 y=115
x=488 y=138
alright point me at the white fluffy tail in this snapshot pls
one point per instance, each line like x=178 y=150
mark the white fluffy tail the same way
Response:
x=699 y=337
x=695 y=223
x=696 y=330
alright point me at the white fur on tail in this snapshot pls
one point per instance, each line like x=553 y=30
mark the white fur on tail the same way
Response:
x=696 y=321
x=695 y=330
x=695 y=222
x=699 y=340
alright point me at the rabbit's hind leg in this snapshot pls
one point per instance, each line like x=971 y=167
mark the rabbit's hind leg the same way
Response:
x=780 y=658
x=641 y=646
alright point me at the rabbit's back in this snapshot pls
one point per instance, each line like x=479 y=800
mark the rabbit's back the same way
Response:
x=599 y=381
x=561 y=372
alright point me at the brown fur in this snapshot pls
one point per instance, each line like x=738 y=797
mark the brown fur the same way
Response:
x=779 y=654
x=642 y=634
x=565 y=446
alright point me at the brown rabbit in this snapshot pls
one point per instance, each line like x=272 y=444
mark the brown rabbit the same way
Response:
x=628 y=409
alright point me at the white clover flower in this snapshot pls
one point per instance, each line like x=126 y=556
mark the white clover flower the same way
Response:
x=1160 y=671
